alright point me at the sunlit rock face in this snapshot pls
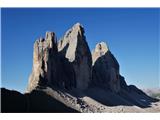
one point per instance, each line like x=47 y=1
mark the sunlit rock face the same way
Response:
x=105 y=68
x=67 y=72
x=66 y=64
x=50 y=68
x=69 y=64
x=41 y=56
x=75 y=48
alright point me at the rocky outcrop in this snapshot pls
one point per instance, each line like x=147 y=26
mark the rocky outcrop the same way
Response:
x=67 y=78
x=67 y=65
x=75 y=48
x=105 y=68
x=41 y=71
x=50 y=68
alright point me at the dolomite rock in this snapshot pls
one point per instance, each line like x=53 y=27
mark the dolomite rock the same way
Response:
x=50 y=68
x=75 y=48
x=66 y=66
x=68 y=63
x=63 y=70
x=41 y=56
x=105 y=68
x=123 y=83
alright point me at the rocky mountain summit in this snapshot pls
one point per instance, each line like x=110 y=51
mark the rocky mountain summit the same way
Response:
x=66 y=64
x=70 y=73
x=65 y=74
x=69 y=63
x=105 y=68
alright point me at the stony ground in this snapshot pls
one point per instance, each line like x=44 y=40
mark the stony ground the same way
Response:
x=88 y=104
x=155 y=107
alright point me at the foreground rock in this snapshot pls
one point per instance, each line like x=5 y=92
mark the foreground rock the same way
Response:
x=36 y=101
x=51 y=100
x=13 y=101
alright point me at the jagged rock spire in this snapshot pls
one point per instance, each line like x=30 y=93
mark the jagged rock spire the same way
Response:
x=41 y=52
x=76 y=50
x=105 y=68
x=100 y=49
x=66 y=66
x=68 y=63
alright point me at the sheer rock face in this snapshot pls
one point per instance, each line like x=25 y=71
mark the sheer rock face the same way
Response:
x=50 y=68
x=67 y=65
x=75 y=48
x=123 y=83
x=40 y=75
x=105 y=68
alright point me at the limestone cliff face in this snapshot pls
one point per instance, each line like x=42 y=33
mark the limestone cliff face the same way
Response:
x=105 y=68
x=50 y=68
x=69 y=64
x=41 y=57
x=68 y=72
x=75 y=48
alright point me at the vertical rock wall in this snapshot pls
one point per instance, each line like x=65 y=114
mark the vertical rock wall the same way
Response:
x=68 y=63
x=78 y=54
x=105 y=68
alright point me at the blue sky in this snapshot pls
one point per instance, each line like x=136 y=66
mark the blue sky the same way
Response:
x=132 y=36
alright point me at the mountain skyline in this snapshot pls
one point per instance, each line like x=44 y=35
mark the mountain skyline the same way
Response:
x=67 y=76
x=17 y=53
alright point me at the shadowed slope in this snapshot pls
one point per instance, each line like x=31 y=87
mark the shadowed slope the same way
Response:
x=36 y=101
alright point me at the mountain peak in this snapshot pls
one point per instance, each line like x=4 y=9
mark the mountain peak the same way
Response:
x=101 y=47
x=78 y=25
x=69 y=67
x=75 y=48
x=75 y=29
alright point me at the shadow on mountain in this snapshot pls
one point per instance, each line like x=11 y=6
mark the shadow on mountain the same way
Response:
x=137 y=97
x=101 y=92
x=125 y=98
x=100 y=70
x=13 y=101
x=63 y=75
x=36 y=101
